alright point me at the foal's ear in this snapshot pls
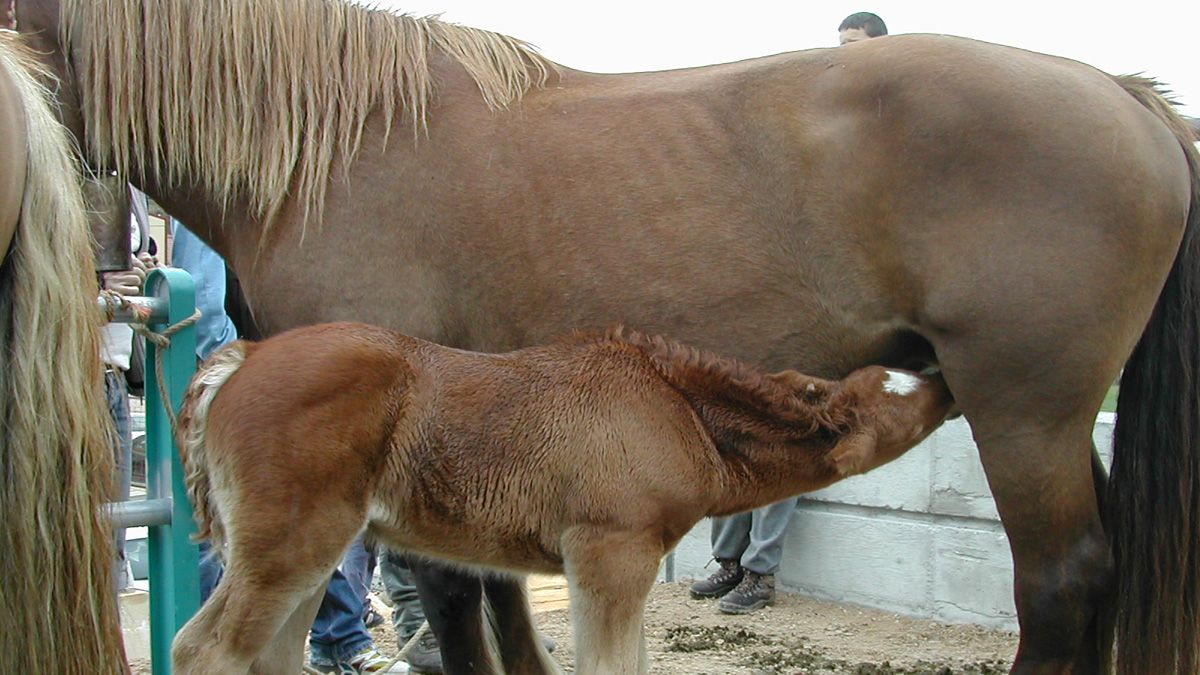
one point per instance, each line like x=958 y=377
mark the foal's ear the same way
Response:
x=803 y=385
x=853 y=454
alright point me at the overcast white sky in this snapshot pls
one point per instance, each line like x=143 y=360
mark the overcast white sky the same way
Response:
x=1150 y=36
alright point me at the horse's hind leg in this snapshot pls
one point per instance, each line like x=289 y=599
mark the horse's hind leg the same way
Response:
x=453 y=604
x=286 y=651
x=1033 y=426
x=257 y=619
x=275 y=569
x=521 y=649
x=1043 y=484
x=241 y=618
x=610 y=574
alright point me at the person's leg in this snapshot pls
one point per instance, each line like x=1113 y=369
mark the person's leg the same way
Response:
x=761 y=559
x=730 y=537
x=358 y=567
x=407 y=614
x=338 y=631
x=211 y=570
x=767 y=530
x=118 y=407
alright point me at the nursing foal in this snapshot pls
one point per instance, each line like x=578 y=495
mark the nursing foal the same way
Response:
x=591 y=456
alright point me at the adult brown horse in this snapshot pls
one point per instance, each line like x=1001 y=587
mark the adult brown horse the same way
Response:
x=1022 y=221
x=475 y=458
x=58 y=607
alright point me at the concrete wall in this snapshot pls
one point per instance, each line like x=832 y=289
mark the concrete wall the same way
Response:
x=919 y=536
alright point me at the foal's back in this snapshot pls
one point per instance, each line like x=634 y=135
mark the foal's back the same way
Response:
x=513 y=450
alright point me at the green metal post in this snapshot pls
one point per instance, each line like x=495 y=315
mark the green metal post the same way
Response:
x=174 y=559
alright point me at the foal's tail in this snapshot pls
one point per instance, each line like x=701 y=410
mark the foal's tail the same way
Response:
x=56 y=462
x=191 y=432
x=1153 y=505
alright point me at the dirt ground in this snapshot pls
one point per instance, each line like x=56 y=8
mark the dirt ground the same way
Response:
x=797 y=636
x=800 y=635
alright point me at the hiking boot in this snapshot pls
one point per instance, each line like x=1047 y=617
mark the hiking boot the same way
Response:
x=720 y=582
x=425 y=656
x=755 y=592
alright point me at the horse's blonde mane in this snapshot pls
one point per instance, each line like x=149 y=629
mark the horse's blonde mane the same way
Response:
x=254 y=98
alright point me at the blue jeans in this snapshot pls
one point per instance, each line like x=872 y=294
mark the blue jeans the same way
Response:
x=118 y=406
x=338 y=631
x=359 y=567
x=211 y=570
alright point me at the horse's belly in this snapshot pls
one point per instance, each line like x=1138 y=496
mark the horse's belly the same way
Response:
x=449 y=530
x=480 y=547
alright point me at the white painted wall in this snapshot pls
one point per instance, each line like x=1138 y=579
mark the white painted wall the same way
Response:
x=919 y=536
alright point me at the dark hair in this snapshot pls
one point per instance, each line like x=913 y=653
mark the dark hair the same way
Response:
x=871 y=24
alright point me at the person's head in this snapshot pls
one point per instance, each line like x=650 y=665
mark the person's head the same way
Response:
x=860 y=26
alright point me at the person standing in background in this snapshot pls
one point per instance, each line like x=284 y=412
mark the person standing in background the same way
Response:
x=116 y=351
x=861 y=26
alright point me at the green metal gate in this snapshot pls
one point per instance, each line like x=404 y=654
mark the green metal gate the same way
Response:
x=174 y=570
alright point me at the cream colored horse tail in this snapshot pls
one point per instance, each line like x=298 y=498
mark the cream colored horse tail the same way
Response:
x=191 y=435
x=56 y=458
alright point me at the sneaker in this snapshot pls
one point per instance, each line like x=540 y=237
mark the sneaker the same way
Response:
x=322 y=664
x=371 y=618
x=425 y=656
x=755 y=592
x=720 y=582
x=369 y=660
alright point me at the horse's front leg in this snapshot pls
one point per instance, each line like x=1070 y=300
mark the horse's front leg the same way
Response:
x=453 y=604
x=610 y=574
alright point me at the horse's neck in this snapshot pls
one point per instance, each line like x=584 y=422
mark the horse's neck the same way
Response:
x=762 y=463
x=227 y=229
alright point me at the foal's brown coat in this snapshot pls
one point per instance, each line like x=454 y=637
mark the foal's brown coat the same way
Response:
x=591 y=456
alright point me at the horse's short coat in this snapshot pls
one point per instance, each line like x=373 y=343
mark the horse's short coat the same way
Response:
x=592 y=456
x=1020 y=220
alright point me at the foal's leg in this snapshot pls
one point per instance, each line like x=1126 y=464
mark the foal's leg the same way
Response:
x=243 y=617
x=274 y=571
x=610 y=574
x=521 y=649
x=453 y=604
x=286 y=650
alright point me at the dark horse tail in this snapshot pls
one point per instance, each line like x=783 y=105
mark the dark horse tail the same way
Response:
x=1153 y=502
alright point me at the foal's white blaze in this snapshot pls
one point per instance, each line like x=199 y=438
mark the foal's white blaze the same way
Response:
x=901 y=383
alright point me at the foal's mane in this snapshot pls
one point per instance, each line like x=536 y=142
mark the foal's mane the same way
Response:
x=730 y=382
x=246 y=96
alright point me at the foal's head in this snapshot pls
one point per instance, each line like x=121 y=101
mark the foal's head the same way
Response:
x=896 y=409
